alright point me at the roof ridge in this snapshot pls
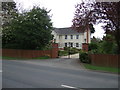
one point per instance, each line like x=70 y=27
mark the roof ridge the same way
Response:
x=63 y=28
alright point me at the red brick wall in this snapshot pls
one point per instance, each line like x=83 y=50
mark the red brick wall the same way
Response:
x=53 y=53
x=85 y=47
x=55 y=49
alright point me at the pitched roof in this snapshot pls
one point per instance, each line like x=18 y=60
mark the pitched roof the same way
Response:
x=65 y=31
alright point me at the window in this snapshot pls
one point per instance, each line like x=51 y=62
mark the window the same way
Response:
x=71 y=36
x=71 y=44
x=85 y=40
x=77 y=44
x=65 y=36
x=65 y=44
x=77 y=36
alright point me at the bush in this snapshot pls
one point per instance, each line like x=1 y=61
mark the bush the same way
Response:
x=62 y=53
x=71 y=50
x=83 y=56
x=92 y=46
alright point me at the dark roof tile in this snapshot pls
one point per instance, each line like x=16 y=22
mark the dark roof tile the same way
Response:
x=65 y=31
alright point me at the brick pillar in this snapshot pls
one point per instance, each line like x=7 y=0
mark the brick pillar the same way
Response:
x=85 y=47
x=54 y=53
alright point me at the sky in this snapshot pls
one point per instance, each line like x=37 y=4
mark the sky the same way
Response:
x=62 y=12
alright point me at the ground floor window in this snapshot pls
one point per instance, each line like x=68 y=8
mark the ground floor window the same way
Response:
x=71 y=44
x=77 y=44
x=65 y=44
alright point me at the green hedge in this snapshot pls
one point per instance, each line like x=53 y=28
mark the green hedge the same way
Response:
x=71 y=50
x=62 y=53
x=83 y=56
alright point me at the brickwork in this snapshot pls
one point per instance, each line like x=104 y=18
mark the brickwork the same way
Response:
x=85 y=47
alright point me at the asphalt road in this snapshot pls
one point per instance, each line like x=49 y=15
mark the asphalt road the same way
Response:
x=18 y=74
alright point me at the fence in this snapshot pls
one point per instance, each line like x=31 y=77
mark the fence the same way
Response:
x=53 y=53
x=107 y=60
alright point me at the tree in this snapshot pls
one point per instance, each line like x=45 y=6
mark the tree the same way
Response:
x=8 y=8
x=83 y=19
x=100 y=12
x=92 y=29
x=28 y=30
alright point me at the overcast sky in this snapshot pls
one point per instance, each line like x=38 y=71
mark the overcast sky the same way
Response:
x=62 y=12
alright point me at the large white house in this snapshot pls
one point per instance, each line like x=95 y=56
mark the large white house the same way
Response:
x=68 y=37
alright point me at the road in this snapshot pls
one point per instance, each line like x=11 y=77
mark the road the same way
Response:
x=31 y=74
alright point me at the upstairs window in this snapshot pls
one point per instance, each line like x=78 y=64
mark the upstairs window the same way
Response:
x=77 y=36
x=65 y=36
x=71 y=36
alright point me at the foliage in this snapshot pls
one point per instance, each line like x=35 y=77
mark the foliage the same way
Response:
x=105 y=46
x=83 y=15
x=100 y=12
x=92 y=46
x=62 y=53
x=68 y=51
x=28 y=30
x=71 y=50
x=8 y=8
x=83 y=56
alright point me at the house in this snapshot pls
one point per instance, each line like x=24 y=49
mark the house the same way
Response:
x=68 y=37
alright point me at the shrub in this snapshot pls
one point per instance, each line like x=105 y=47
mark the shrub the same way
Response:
x=93 y=46
x=71 y=50
x=62 y=53
x=83 y=56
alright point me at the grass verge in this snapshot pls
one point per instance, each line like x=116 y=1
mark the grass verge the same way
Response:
x=13 y=58
x=44 y=57
x=108 y=69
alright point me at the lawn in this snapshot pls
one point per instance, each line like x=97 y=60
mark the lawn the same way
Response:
x=108 y=69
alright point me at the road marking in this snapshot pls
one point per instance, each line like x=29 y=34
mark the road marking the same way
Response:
x=66 y=86
x=0 y=70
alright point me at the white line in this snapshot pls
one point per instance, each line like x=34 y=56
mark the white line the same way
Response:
x=0 y=70
x=67 y=86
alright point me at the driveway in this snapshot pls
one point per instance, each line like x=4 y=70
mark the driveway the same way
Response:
x=64 y=63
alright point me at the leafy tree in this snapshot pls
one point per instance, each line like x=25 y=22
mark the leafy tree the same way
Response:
x=100 y=12
x=109 y=13
x=28 y=30
x=8 y=8
x=93 y=46
x=83 y=16
x=109 y=44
